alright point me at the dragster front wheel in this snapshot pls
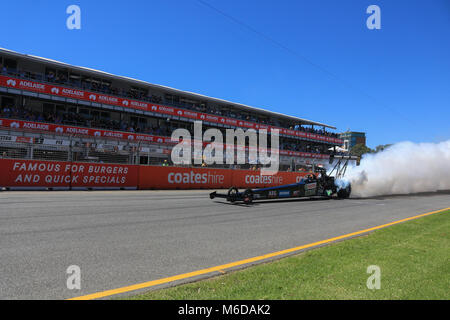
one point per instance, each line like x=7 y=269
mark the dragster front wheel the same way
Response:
x=232 y=194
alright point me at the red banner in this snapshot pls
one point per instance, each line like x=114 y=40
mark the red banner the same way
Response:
x=63 y=129
x=35 y=173
x=60 y=174
x=254 y=179
x=204 y=178
x=183 y=178
x=140 y=105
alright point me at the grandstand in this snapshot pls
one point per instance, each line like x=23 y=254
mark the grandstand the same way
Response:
x=50 y=110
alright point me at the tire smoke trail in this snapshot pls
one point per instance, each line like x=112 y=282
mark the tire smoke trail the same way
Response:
x=402 y=168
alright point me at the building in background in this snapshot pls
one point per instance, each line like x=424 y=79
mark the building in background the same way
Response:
x=352 y=138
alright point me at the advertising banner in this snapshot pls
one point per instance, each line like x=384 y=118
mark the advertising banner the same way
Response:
x=152 y=177
x=60 y=174
x=64 y=129
x=49 y=174
x=254 y=178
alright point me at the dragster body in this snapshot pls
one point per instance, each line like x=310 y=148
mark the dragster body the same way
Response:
x=318 y=184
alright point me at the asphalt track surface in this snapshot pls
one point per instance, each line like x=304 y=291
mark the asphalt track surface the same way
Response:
x=121 y=238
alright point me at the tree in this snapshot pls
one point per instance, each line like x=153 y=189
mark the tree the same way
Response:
x=381 y=147
x=360 y=149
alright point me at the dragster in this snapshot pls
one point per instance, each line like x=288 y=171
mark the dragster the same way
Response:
x=317 y=184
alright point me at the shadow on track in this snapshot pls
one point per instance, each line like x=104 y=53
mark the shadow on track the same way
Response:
x=259 y=202
x=382 y=197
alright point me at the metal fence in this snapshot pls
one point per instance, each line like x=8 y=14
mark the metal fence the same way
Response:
x=80 y=151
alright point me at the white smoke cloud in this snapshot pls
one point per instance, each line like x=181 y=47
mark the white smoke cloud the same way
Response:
x=403 y=168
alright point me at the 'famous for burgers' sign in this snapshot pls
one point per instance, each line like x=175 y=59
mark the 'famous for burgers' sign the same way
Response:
x=30 y=173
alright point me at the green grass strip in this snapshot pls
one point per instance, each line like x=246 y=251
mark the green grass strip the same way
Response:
x=413 y=258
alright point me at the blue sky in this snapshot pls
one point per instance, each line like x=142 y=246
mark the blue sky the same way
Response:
x=392 y=83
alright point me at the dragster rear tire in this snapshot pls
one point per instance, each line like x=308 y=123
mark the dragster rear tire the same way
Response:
x=248 y=196
x=344 y=193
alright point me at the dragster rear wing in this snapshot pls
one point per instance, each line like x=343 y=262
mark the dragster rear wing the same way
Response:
x=340 y=157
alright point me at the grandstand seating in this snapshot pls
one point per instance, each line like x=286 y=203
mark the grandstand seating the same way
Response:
x=147 y=120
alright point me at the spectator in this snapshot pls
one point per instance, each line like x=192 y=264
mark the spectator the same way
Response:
x=51 y=77
x=7 y=112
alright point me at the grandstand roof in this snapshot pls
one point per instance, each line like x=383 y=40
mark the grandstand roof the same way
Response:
x=165 y=88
